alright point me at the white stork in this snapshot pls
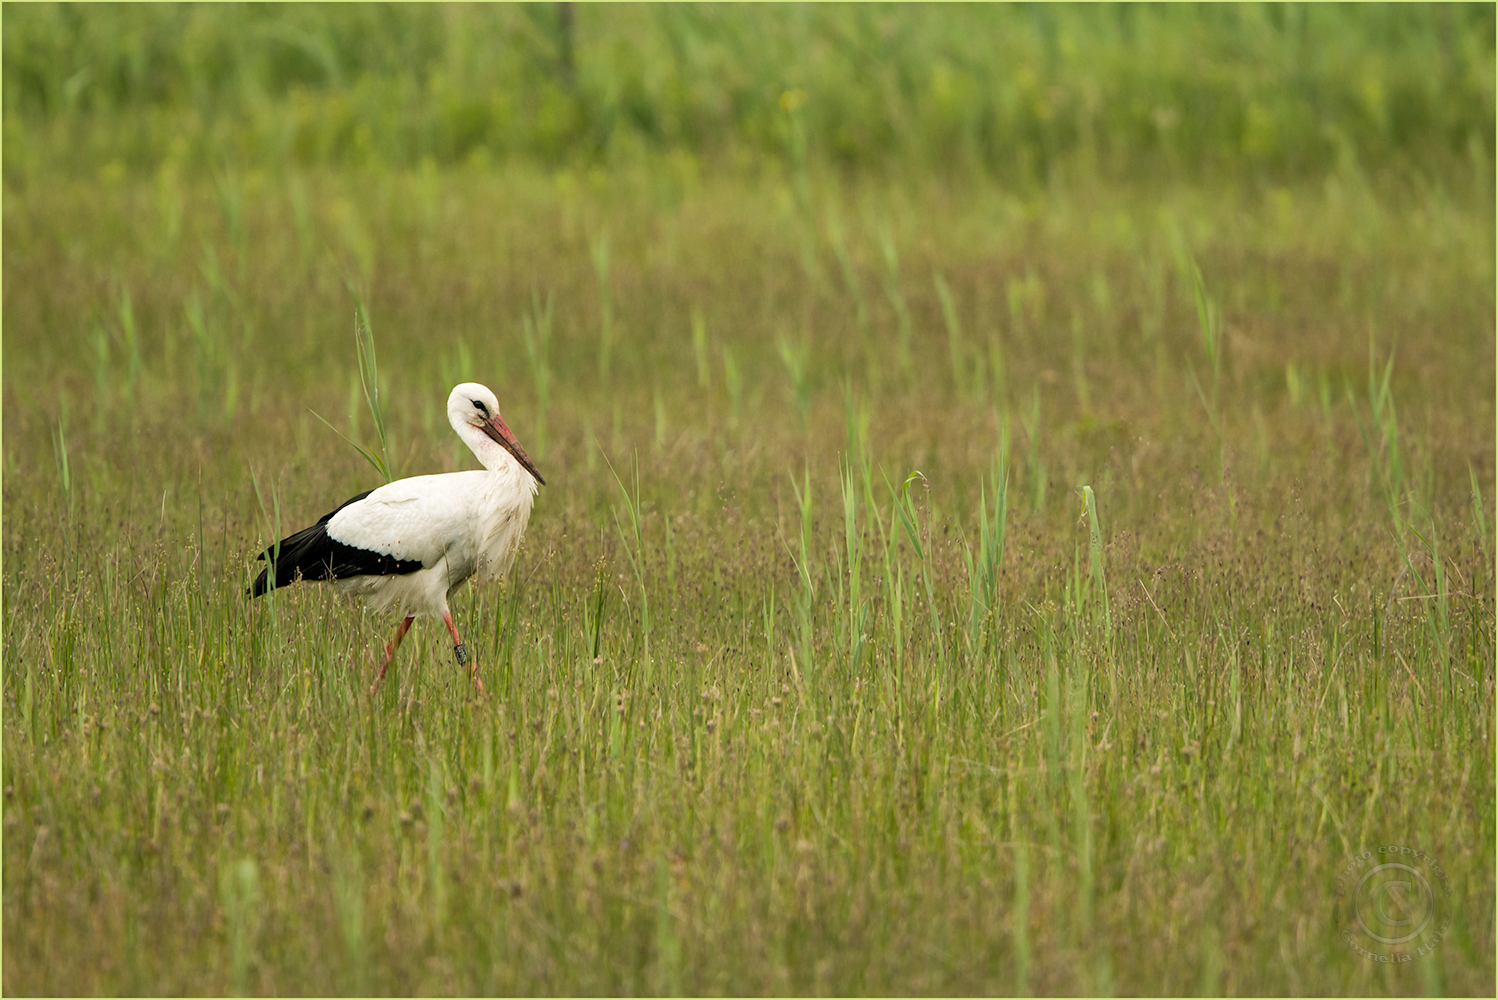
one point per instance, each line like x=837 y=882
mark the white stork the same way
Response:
x=409 y=544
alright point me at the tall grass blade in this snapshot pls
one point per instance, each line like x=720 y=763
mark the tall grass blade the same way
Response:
x=536 y=326
x=600 y=251
x=960 y=380
x=903 y=328
x=369 y=380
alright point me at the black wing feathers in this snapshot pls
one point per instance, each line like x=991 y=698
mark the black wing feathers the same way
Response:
x=311 y=554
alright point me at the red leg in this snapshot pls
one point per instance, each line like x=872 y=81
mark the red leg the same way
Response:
x=390 y=647
x=462 y=651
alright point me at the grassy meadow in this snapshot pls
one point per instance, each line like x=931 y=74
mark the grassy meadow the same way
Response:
x=1030 y=565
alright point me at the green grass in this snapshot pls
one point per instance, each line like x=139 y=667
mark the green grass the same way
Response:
x=942 y=586
x=768 y=715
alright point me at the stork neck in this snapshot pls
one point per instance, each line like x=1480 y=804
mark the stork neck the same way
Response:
x=485 y=449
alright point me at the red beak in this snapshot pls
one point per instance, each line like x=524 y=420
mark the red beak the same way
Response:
x=496 y=428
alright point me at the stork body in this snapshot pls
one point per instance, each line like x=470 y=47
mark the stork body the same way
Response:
x=408 y=545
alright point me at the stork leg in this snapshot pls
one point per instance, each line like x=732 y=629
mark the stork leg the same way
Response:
x=390 y=647
x=461 y=651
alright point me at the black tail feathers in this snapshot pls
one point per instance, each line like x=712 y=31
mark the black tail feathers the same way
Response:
x=312 y=554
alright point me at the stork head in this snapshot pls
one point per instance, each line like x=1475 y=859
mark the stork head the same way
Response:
x=473 y=406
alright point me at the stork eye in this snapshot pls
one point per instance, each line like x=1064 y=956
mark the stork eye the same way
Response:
x=480 y=406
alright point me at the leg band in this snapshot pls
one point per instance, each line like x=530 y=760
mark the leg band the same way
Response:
x=461 y=652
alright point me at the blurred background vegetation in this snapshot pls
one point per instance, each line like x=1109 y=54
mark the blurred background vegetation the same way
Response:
x=1024 y=94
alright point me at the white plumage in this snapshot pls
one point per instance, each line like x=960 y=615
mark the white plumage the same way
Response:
x=409 y=544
